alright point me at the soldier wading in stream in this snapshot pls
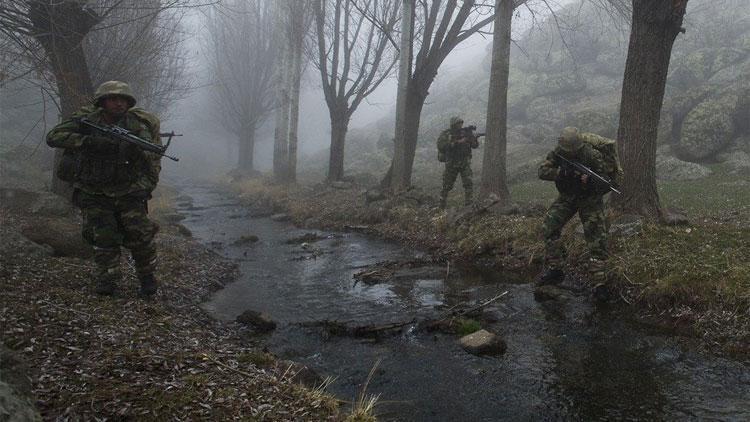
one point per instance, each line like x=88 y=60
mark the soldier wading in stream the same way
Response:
x=579 y=193
x=112 y=182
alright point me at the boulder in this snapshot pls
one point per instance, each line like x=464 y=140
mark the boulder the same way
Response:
x=16 y=244
x=483 y=342
x=708 y=128
x=50 y=205
x=341 y=185
x=260 y=321
x=62 y=235
x=671 y=168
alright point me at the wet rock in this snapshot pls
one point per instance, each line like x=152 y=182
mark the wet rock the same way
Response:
x=341 y=185
x=260 y=321
x=671 y=168
x=244 y=240
x=305 y=238
x=298 y=373
x=483 y=342
x=281 y=217
x=674 y=217
x=549 y=292
x=626 y=225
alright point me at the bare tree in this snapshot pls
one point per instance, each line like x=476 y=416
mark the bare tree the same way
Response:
x=241 y=56
x=353 y=57
x=443 y=27
x=655 y=26
x=300 y=19
x=45 y=41
x=494 y=161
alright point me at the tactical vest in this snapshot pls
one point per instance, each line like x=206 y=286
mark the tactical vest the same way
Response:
x=116 y=164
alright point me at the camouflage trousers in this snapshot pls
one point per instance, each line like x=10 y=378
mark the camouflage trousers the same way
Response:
x=111 y=223
x=591 y=211
x=452 y=170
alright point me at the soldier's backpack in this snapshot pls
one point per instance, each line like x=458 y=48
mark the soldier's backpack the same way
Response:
x=608 y=148
x=442 y=147
x=151 y=121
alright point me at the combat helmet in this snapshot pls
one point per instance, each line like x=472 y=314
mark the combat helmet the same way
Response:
x=114 y=88
x=456 y=122
x=569 y=140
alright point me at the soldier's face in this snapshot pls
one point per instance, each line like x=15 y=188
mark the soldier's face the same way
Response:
x=115 y=106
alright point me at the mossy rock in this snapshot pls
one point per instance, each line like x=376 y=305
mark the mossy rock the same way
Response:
x=596 y=121
x=708 y=128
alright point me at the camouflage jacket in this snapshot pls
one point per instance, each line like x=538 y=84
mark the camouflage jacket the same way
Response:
x=455 y=152
x=138 y=170
x=586 y=155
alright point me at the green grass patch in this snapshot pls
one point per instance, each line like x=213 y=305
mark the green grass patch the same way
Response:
x=466 y=326
x=712 y=196
x=257 y=358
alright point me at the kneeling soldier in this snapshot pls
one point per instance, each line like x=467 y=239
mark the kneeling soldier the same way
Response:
x=578 y=193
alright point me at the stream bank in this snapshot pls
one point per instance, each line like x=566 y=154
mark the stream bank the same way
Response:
x=564 y=359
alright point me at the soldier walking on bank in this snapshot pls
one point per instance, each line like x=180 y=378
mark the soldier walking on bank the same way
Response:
x=112 y=182
x=454 y=149
x=578 y=193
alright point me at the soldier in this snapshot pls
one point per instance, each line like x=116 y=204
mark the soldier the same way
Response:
x=112 y=183
x=454 y=148
x=578 y=193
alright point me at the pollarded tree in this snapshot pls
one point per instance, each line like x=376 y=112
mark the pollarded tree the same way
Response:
x=441 y=27
x=655 y=26
x=242 y=49
x=354 y=56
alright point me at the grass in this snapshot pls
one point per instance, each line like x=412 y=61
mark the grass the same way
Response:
x=467 y=326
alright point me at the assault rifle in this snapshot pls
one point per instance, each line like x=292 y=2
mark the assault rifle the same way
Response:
x=124 y=135
x=468 y=131
x=591 y=173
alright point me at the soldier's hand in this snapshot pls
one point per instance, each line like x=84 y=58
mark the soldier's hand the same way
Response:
x=100 y=144
x=584 y=178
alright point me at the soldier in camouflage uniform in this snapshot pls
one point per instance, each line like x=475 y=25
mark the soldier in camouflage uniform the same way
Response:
x=456 y=148
x=577 y=194
x=112 y=183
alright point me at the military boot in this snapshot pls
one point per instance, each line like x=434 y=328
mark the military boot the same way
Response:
x=149 y=286
x=551 y=276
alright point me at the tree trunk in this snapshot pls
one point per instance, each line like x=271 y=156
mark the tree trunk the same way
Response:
x=246 y=150
x=399 y=175
x=494 y=163
x=294 y=107
x=339 y=127
x=655 y=26
x=281 y=132
x=60 y=28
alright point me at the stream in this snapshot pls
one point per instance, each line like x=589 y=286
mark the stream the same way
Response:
x=565 y=360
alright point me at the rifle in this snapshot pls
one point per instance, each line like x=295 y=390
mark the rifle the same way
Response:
x=591 y=173
x=124 y=135
x=468 y=131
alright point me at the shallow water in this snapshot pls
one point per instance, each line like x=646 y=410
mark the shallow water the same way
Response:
x=564 y=360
